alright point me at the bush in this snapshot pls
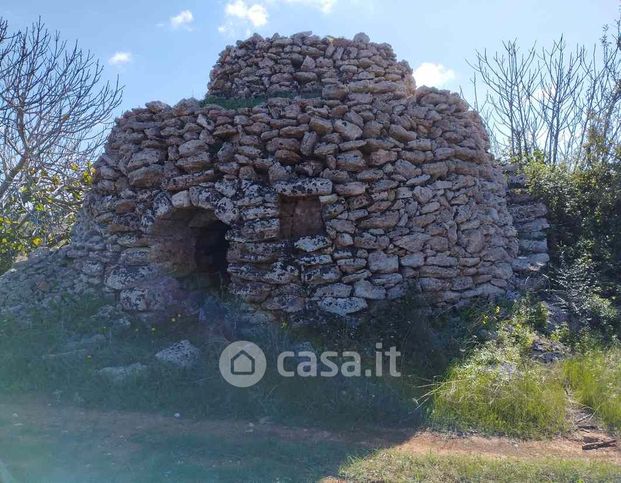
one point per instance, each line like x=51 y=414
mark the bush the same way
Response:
x=495 y=392
x=497 y=388
x=584 y=210
x=595 y=378
x=529 y=312
x=575 y=287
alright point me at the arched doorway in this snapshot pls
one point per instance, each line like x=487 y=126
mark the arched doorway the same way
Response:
x=190 y=244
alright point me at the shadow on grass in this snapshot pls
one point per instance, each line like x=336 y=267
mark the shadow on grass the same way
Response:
x=34 y=358
x=42 y=442
x=113 y=446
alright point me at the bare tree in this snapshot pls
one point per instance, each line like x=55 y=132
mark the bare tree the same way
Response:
x=558 y=101
x=511 y=79
x=54 y=110
x=602 y=109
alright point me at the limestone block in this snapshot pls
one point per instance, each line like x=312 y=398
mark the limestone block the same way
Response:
x=181 y=354
x=304 y=187
x=380 y=262
x=342 y=306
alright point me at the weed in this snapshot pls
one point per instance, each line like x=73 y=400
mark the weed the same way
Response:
x=487 y=386
x=595 y=379
x=496 y=392
x=36 y=358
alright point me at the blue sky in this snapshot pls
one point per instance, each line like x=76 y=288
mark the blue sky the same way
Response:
x=164 y=50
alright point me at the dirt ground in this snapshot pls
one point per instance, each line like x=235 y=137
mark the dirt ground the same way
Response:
x=35 y=435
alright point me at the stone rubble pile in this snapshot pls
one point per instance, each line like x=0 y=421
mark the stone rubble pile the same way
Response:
x=45 y=278
x=352 y=192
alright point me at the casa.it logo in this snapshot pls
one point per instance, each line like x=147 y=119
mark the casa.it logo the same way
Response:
x=242 y=364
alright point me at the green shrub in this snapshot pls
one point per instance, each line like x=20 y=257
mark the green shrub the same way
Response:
x=602 y=310
x=584 y=210
x=530 y=312
x=595 y=379
x=575 y=287
x=495 y=392
x=35 y=217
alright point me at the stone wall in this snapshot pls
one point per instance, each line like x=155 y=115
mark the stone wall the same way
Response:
x=529 y=219
x=306 y=63
x=353 y=192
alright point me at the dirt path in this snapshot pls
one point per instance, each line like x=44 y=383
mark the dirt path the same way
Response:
x=566 y=447
x=124 y=437
x=119 y=424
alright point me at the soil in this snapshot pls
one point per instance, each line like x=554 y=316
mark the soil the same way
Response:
x=116 y=433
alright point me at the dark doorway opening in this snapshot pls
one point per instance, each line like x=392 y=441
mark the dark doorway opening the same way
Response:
x=191 y=246
x=300 y=216
x=210 y=250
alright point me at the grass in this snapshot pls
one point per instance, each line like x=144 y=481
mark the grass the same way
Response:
x=489 y=387
x=41 y=442
x=398 y=466
x=428 y=344
x=123 y=451
x=501 y=395
x=497 y=389
x=199 y=391
x=595 y=379
x=25 y=366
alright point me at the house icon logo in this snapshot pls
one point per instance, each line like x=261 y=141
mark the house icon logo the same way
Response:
x=242 y=364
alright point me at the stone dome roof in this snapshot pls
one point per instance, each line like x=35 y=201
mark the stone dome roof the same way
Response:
x=306 y=63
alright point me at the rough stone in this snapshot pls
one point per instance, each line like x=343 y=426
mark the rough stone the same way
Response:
x=182 y=354
x=348 y=130
x=347 y=183
x=147 y=177
x=367 y=290
x=342 y=306
x=380 y=262
x=123 y=374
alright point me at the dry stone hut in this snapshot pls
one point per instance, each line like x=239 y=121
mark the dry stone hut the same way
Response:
x=332 y=182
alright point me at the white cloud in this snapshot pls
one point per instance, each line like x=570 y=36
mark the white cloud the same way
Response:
x=433 y=75
x=182 y=19
x=233 y=30
x=325 y=6
x=242 y=15
x=256 y=13
x=120 y=58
